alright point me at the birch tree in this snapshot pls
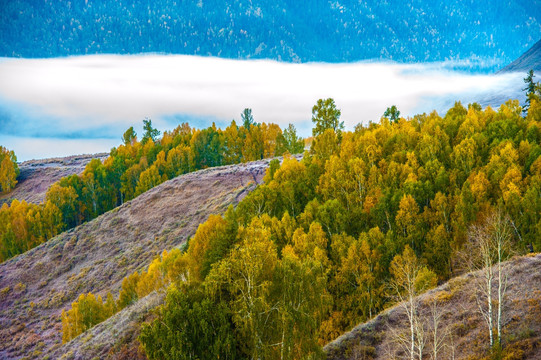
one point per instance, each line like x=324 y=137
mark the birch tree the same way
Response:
x=411 y=278
x=489 y=244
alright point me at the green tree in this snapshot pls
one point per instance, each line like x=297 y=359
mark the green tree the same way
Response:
x=150 y=132
x=392 y=113
x=247 y=118
x=290 y=142
x=129 y=137
x=190 y=326
x=530 y=89
x=302 y=301
x=325 y=116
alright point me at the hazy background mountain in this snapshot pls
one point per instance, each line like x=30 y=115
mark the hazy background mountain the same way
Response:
x=530 y=60
x=491 y=33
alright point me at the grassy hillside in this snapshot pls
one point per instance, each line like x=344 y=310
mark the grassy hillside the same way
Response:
x=464 y=329
x=96 y=256
x=37 y=175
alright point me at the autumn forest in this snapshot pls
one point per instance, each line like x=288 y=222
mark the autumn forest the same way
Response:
x=323 y=243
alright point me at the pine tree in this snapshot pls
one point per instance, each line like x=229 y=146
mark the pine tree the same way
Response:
x=532 y=90
x=150 y=132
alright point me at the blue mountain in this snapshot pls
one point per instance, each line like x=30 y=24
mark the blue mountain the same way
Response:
x=530 y=60
x=492 y=32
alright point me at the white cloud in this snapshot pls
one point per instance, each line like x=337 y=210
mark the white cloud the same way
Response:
x=101 y=95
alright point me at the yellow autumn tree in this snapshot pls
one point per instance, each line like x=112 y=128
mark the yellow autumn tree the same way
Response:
x=87 y=311
x=8 y=170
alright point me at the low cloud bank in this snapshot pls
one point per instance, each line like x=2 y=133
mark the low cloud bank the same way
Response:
x=95 y=98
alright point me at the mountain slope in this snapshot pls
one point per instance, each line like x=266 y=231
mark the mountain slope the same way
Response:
x=530 y=60
x=287 y=30
x=37 y=175
x=377 y=339
x=96 y=256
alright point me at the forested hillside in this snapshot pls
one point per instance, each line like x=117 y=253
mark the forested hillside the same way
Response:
x=133 y=168
x=95 y=257
x=367 y=218
x=411 y=31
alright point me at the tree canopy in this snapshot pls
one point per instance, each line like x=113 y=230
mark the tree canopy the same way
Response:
x=325 y=115
x=329 y=241
x=9 y=170
x=131 y=169
x=149 y=132
x=392 y=113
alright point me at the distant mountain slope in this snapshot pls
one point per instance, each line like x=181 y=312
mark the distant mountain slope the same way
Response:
x=288 y=30
x=530 y=60
x=37 y=175
x=96 y=256
x=377 y=339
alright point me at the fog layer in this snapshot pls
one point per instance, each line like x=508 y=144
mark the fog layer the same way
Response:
x=90 y=100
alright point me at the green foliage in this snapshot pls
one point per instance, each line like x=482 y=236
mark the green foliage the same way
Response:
x=290 y=142
x=129 y=136
x=149 y=132
x=325 y=115
x=392 y=113
x=252 y=304
x=191 y=326
x=247 y=118
x=532 y=89
x=387 y=204
x=311 y=251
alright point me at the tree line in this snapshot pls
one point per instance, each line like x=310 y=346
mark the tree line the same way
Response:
x=365 y=218
x=133 y=168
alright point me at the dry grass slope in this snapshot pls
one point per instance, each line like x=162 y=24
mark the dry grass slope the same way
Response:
x=96 y=256
x=37 y=175
x=522 y=331
x=115 y=338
